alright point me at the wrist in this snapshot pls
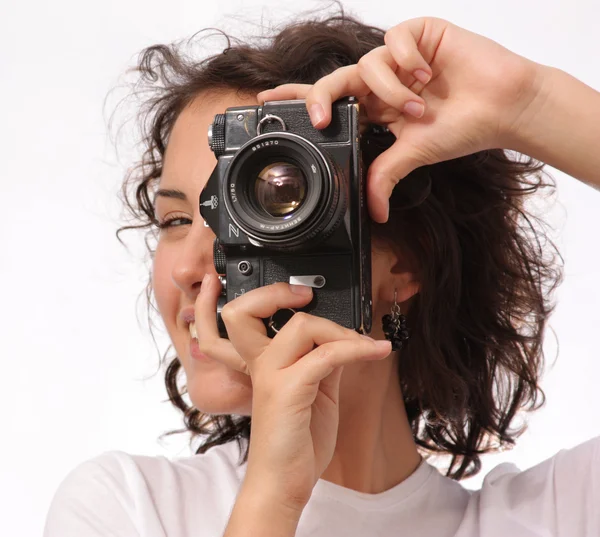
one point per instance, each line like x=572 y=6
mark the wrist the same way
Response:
x=258 y=511
x=558 y=125
x=522 y=124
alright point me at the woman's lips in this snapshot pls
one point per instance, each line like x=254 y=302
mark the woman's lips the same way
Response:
x=195 y=352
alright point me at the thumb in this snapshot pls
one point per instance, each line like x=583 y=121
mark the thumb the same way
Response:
x=393 y=165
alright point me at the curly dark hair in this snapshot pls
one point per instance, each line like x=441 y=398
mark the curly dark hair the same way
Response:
x=486 y=266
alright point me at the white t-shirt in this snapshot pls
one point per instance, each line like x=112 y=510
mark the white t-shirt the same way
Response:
x=116 y=494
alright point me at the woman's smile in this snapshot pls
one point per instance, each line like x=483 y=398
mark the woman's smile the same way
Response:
x=195 y=352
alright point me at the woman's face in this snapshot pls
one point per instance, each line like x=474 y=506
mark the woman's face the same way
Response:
x=184 y=255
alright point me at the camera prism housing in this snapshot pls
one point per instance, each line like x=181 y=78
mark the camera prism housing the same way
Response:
x=287 y=204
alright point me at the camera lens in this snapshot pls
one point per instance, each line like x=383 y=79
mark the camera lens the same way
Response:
x=280 y=188
x=283 y=191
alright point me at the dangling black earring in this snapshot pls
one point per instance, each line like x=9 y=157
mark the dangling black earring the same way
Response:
x=394 y=326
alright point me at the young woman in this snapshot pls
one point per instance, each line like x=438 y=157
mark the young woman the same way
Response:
x=320 y=430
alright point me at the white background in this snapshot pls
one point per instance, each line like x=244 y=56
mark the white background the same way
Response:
x=75 y=347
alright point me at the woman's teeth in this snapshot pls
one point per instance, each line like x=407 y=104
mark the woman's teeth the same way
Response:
x=193 y=332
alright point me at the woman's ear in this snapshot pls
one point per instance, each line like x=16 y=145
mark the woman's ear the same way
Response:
x=403 y=278
x=406 y=287
x=394 y=272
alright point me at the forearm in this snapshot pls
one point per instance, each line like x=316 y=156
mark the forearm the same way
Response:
x=562 y=126
x=255 y=515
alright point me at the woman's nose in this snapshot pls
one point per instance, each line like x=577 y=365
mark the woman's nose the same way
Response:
x=195 y=259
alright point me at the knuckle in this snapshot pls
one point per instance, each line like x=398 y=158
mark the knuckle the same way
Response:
x=402 y=55
x=309 y=95
x=228 y=312
x=394 y=96
x=304 y=90
x=320 y=91
x=363 y=63
x=401 y=49
x=348 y=71
x=300 y=320
x=391 y=34
x=325 y=352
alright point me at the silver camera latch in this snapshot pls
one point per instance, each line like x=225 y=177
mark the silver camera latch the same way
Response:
x=314 y=280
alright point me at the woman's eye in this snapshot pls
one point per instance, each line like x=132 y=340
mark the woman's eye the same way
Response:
x=171 y=222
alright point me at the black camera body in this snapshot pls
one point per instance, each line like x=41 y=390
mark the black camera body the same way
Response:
x=287 y=204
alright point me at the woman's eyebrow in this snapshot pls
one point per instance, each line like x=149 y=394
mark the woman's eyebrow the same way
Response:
x=170 y=193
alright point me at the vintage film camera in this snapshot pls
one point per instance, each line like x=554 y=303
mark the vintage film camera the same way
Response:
x=287 y=204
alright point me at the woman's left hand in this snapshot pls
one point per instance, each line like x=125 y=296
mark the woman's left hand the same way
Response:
x=473 y=90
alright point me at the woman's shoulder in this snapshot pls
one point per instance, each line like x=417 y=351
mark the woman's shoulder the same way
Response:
x=578 y=466
x=139 y=493
x=122 y=469
x=560 y=494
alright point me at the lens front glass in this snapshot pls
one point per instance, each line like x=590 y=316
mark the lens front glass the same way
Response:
x=280 y=188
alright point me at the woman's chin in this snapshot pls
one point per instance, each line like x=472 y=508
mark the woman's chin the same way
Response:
x=220 y=396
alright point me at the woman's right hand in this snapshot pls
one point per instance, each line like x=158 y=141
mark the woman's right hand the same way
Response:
x=295 y=382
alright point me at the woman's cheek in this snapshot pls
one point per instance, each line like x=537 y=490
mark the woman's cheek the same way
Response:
x=165 y=291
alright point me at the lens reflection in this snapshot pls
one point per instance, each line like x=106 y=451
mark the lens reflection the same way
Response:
x=280 y=188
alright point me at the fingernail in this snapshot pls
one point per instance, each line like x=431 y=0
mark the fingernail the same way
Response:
x=422 y=76
x=367 y=338
x=386 y=214
x=300 y=289
x=384 y=345
x=205 y=283
x=317 y=114
x=414 y=109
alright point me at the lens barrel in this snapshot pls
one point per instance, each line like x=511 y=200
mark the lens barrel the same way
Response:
x=281 y=190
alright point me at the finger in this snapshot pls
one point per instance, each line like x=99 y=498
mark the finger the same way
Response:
x=284 y=92
x=343 y=82
x=402 y=42
x=378 y=70
x=322 y=361
x=379 y=112
x=243 y=317
x=210 y=341
x=299 y=336
x=384 y=173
